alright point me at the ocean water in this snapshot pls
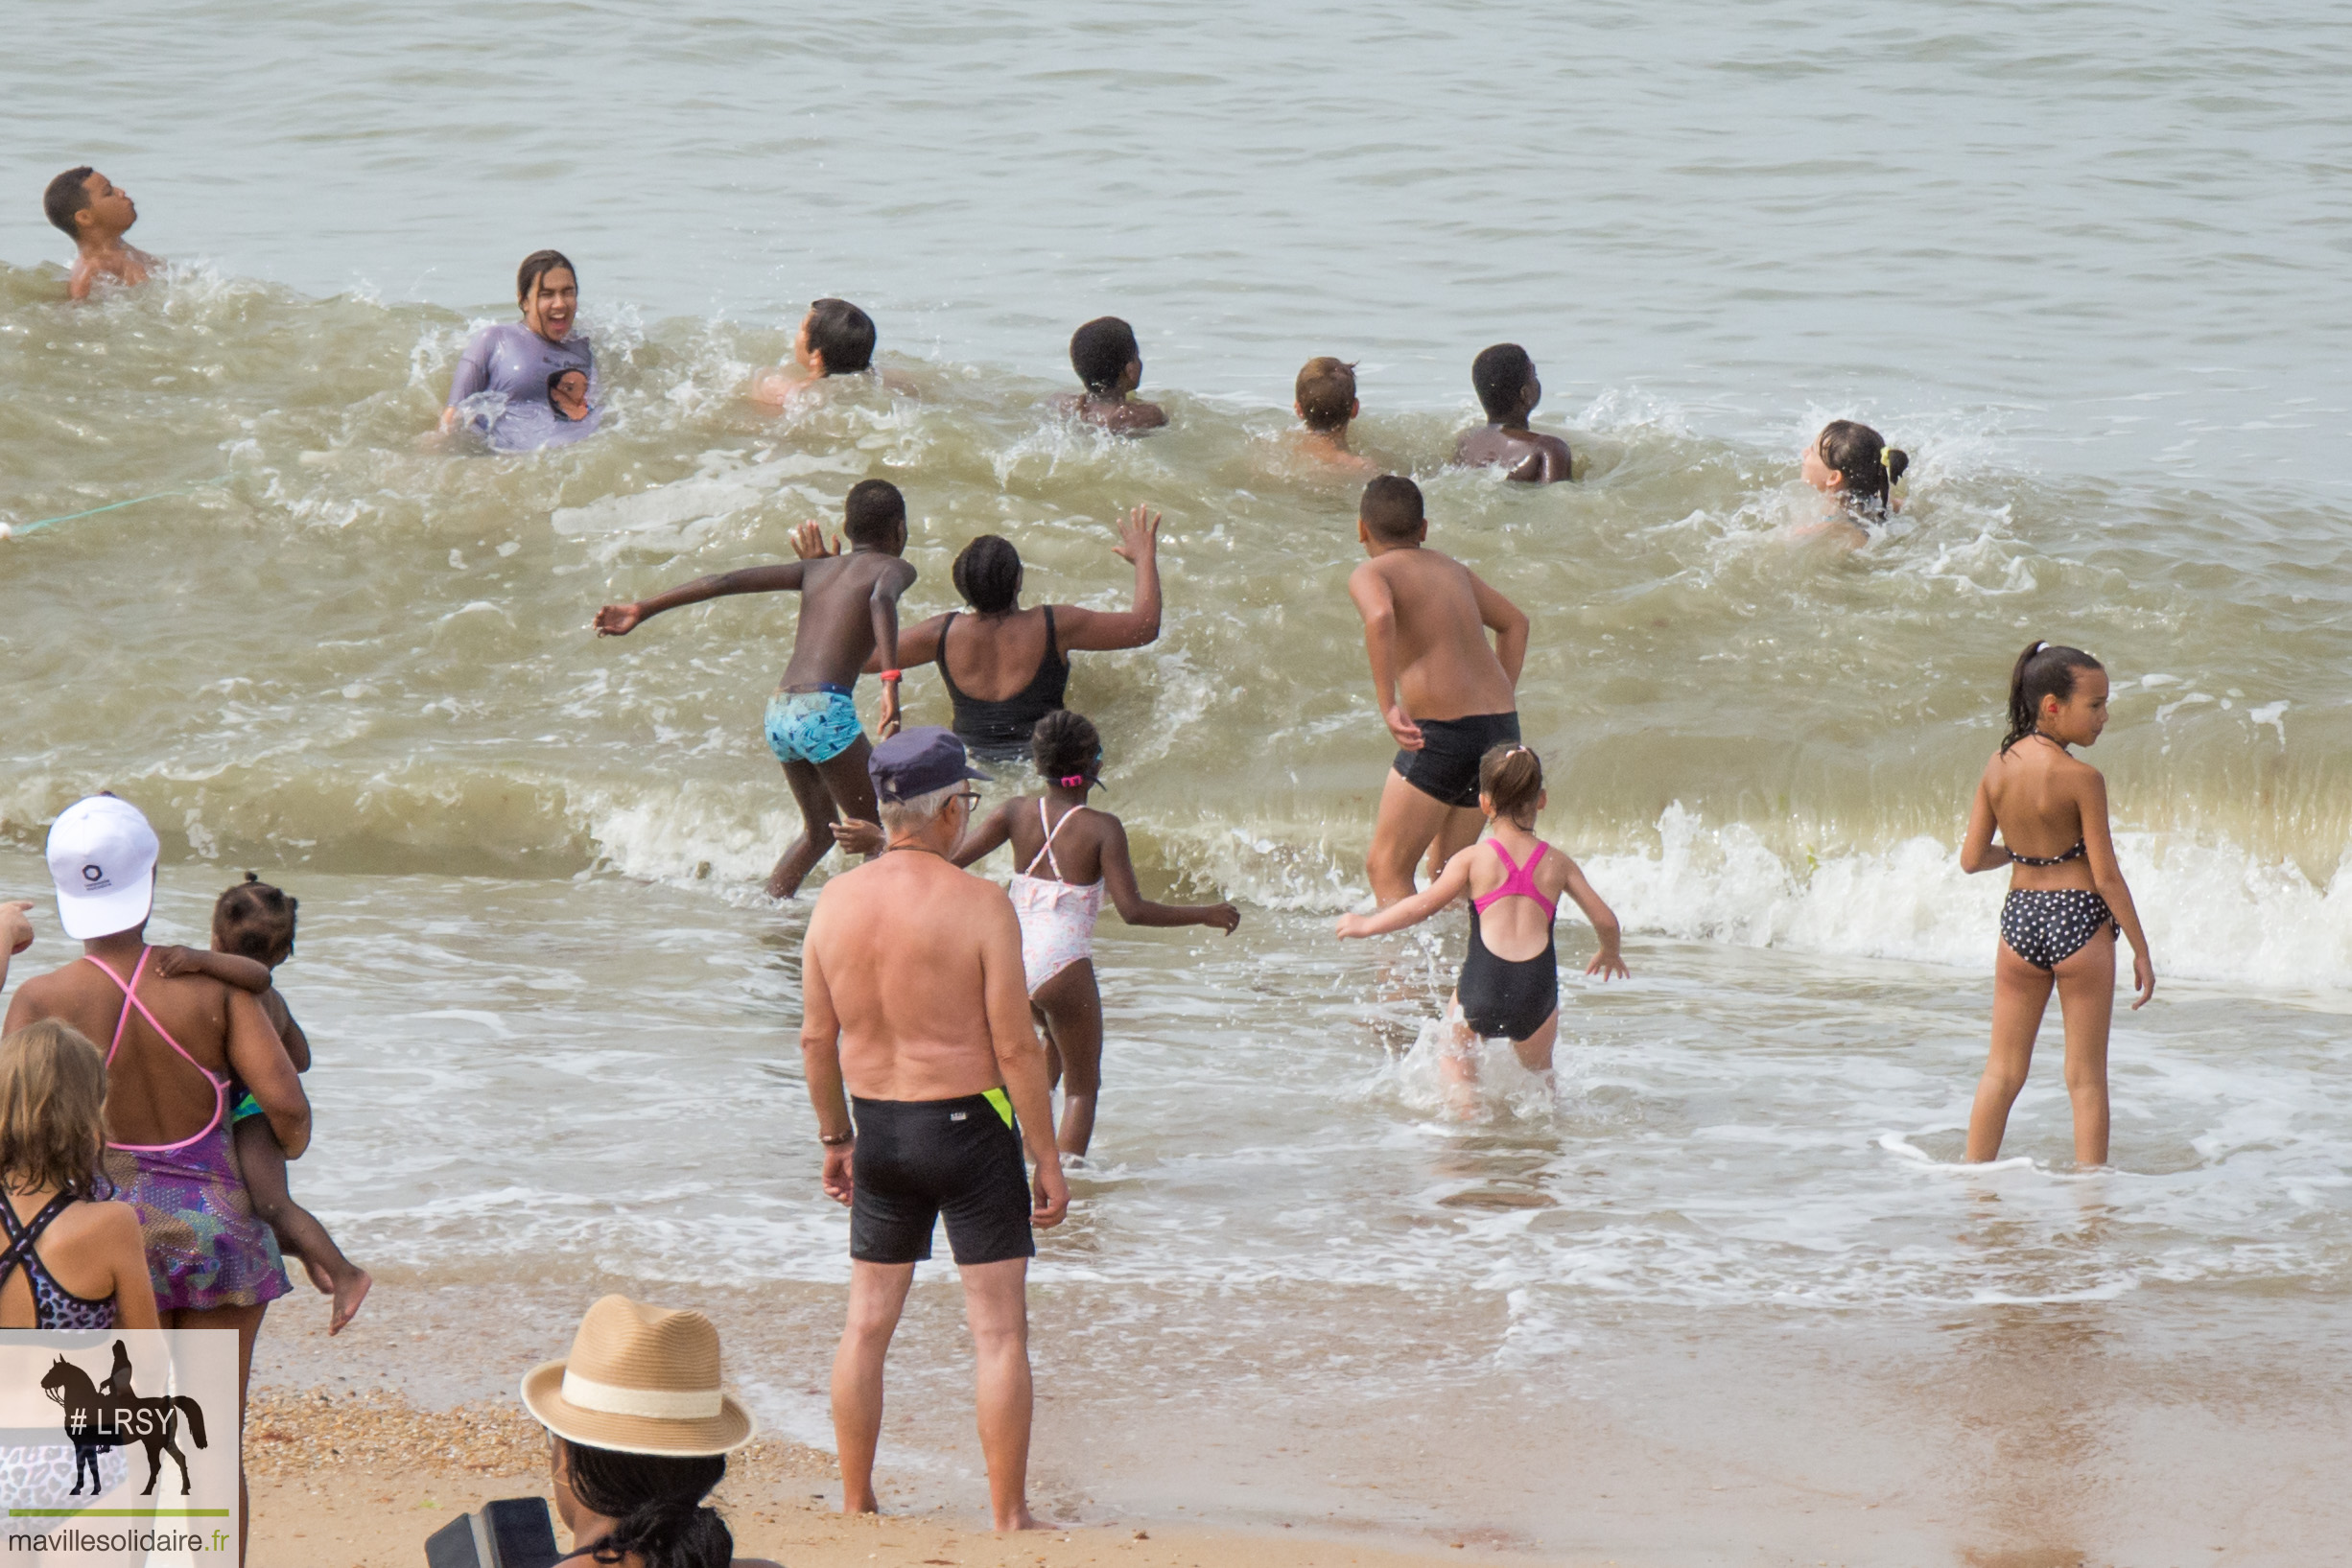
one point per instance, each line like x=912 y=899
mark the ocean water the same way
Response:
x=2079 y=260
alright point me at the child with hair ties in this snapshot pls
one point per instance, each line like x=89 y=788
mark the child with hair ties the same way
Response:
x=253 y=933
x=1069 y=854
x=1510 y=982
x=2066 y=905
x=1852 y=465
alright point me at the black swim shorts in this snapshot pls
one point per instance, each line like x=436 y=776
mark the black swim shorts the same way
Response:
x=917 y=1160
x=1445 y=768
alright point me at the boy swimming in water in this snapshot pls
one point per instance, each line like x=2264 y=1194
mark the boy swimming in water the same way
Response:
x=835 y=338
x=1505 y=380
x=253 y=933
x=567 y=393
x=1324 y=397
x=95 y=214
x=1444 y=694
x=1108 y=359
x=849 y=611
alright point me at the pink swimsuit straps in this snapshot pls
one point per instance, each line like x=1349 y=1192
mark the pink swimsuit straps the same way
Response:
x=130 y=1000
x=1521 y=879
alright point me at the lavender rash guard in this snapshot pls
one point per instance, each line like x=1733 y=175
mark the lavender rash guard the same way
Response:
x=514 y=363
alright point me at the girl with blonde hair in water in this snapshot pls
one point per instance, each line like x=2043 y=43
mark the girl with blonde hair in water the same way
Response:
x=2067 y=901
x=1510 y=981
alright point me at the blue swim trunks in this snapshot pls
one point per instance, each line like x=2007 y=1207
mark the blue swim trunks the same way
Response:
x=812 y=726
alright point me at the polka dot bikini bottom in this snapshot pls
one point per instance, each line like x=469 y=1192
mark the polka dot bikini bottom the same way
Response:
x=2047 y=927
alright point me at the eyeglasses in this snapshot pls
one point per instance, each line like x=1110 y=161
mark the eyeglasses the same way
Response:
x=971 y=798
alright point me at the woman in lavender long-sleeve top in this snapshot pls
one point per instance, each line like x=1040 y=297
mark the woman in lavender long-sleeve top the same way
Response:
x=514 y=360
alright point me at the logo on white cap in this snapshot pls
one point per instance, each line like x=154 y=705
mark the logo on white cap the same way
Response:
x=101 y=858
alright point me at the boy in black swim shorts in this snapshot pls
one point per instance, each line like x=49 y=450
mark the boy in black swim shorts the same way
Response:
x=1444 y=691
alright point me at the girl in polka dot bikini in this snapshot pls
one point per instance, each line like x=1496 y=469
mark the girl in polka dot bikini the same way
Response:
x=2065 y=906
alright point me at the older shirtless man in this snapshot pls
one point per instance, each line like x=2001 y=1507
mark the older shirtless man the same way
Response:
x=913 y=998
x=1444 y=692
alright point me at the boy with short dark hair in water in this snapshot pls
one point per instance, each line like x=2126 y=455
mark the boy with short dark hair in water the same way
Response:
x=1324 y=397
x=835 y=338
x=1505 y=380
x=253 y=933
x=1444 y=692
x=95 y=214
x=1110 y=362
x=849 y=611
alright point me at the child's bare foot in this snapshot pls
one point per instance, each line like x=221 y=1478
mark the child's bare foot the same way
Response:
x=350 y=1292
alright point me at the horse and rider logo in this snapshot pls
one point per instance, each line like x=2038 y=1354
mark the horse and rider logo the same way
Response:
x=111 y=1415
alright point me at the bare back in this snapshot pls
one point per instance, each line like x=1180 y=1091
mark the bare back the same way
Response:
x=835 y=635
x=1531 y=458
x=1078 y=841
x=154 y=1096
x=994 y=657
x=903 y=952
x=2037 y=791
x=1446 y=667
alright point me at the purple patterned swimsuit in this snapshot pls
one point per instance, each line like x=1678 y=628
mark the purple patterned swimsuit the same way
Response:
x=54 y=1307
x=206 y=1247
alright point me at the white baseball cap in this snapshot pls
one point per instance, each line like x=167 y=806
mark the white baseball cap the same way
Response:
x=102 y=856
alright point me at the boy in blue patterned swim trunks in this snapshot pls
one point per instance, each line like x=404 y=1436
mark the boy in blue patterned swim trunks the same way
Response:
x=849 y=612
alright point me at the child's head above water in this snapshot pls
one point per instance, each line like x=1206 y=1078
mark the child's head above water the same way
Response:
x=875 y=514
x=1391 y=510
x=836 y=339
x=255 y=921
x=1853 y=461
x=987 y=572
x=1325 y=393
x=2064 y=685
x=1504 y=378
x=53 y=1110
x=1067 y=749
x=567 y=393
x=1102 y=352
x=85 y=203
x=1510 y=783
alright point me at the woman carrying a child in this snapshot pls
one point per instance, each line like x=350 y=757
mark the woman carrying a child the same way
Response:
x=508 y=384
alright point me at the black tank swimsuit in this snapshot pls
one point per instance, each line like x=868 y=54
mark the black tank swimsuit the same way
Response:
x=1509 y=998
x=998 y=730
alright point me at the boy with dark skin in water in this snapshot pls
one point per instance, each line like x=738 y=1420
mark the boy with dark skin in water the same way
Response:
x=1505 y=380
x=1444 y=692
x=95 y=214
x=1107 y=357
x=849 y=611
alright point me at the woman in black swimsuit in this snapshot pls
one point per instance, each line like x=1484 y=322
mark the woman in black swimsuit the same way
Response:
x=1004 y=667
x=2065 y=906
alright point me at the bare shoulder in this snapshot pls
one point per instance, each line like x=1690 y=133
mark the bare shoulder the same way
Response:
x=98 y=1224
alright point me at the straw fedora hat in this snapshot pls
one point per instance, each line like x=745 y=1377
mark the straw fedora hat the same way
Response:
x=640 y=1380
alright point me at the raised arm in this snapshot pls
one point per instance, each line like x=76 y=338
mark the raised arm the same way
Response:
x=229 y=967
x=1377 y=603
x=2099 y=844
x=1509 y=624
x=15 y=933
x=820 y=1060
x=1450 y=885
x=1977 y=850
x=1019 y=1058
x=621 y=619
x=1610 y=959
x=1101 y=630
x=258 y=1058
x=1118 y=878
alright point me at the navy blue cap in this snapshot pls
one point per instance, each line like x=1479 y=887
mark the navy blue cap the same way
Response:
x=916 y=762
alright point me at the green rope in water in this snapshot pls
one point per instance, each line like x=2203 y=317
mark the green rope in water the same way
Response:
x=116 y=506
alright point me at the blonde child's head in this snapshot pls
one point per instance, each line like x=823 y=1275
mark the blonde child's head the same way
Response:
x=53 y=1110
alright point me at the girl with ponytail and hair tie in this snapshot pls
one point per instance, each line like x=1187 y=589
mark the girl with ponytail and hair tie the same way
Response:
x=1070 y=855
x=2067 y=902
x=1510 y=982
x=1851 y=463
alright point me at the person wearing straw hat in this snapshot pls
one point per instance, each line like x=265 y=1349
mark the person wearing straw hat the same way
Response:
x=172 y=1044
x=639 y=1431
x=913 y=1001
